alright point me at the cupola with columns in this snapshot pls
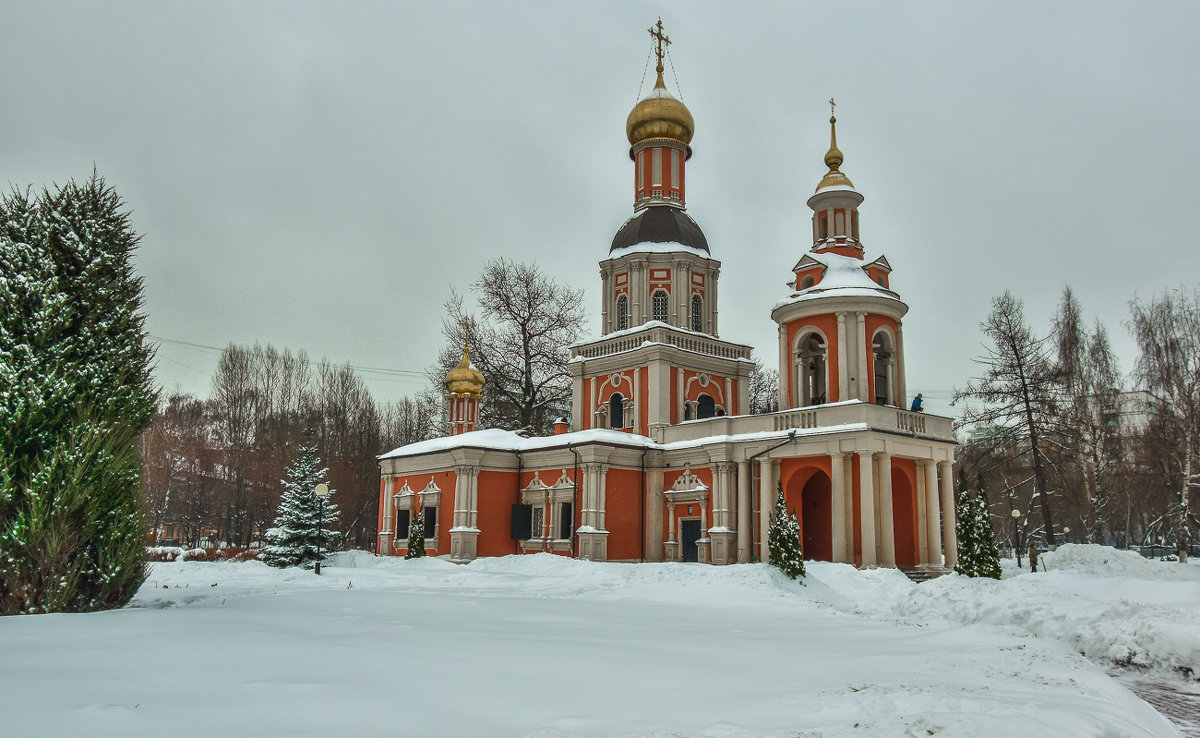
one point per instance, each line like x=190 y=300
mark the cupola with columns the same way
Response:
x=658 y=292
x=464 y=385
x=840 y=331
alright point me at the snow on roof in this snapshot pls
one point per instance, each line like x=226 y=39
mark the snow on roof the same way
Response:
x=501 y=440
x=664 y=247
x=843 y=276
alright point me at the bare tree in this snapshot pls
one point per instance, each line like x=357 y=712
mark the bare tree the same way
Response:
x=1016 y=392
x=520 y=343
x=1090 y=384
x=764 y=390
x=411 y=419
x=1167 y=329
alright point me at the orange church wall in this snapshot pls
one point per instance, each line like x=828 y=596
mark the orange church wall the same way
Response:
x=497 y=494
x=445 y=511
x=827 y=324
x=715 y=390
x=623 y=513
x=904 y=511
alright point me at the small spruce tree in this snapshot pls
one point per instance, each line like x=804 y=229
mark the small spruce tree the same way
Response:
x=416 y=537
x=783 y=539
x=294 y=541
x=977 y=554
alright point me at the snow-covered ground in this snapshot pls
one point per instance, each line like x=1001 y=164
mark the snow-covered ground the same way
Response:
x=548 y=646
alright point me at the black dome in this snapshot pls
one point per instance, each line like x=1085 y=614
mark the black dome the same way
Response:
x=660 y=224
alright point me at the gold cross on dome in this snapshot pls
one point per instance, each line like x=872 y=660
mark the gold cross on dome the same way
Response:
x=832 y=105
x=661 y=39
x=467 y=324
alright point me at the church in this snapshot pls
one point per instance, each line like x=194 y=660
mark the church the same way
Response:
x=661 y=460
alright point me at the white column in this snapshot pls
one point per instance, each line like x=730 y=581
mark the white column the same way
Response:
x=901 y=389
x=637 y=296
x=601 y=494
x=922 y=515
x=933 y=514
x=743 y=512
x=860 y=372
x=948 y=534
x=837 y=479
x=843 y=370
x=605 y=300
x=866 y=496
x=766 y=500
x=785 y=370
x=639 y=412
x=389 y=489
x=887 y=522
x=710 y=299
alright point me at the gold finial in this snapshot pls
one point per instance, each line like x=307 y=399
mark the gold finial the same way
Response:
x=661 y=41
x=833 y=157
x=467 y=324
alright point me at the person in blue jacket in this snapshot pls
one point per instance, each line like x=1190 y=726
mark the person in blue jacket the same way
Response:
x=917 y=403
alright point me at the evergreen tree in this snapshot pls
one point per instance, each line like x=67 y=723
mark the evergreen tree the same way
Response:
x=416 y=537
x=295 y=541
x=783 y=539
x=75 y=393
x=977 y=554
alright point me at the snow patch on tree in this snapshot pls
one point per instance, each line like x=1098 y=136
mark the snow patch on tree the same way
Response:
x=303 y=531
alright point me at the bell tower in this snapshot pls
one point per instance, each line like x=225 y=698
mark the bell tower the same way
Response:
x=840 y=333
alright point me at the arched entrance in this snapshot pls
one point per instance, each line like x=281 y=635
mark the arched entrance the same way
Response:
x=904 y=518
x=815 y=512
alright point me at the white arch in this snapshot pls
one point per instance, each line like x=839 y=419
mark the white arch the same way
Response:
x=809 y=386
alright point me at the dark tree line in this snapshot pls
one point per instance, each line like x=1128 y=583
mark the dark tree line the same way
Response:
x=214 y=467
x=1061 y=437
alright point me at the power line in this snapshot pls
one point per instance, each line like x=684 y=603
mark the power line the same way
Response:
x=400 y=373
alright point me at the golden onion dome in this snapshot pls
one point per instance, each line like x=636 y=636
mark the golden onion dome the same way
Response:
x=833 y=160
x=464 y=379
x=658 y=115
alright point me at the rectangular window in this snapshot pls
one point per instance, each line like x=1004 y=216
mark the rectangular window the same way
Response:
x=641 y=171
x=431 y=522
x=539 y=522
x=656 y=167
x=403 y=518
x=522 y=522
x=674 y=168
x=823 y=225
x=566 y=520
x=854 y=224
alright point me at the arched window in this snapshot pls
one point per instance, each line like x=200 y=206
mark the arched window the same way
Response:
x=659 y=304
x=697 y=311
x=616 y=411
x=622 y=312
x=854 y=224
x=687 y=411
x=806 y=282
x=706 y=407
x=884 y=368
x=811 y=357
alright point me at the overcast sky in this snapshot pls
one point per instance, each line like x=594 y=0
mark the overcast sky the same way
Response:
x=318 y=175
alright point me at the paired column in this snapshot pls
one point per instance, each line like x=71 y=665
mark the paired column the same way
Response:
x=948 y=531
x=593 y=537
x=933 y=513
x=866 y=497
x=743 y=512
x=465 y=532
x=887 y=522
x=841 y=534
x=722 y=534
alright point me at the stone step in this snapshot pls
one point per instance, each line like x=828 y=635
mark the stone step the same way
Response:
x=924 y=573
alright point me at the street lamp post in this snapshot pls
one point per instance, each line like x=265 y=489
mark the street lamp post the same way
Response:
x=1066 y=534
x=322 y=491
x=1016 y=515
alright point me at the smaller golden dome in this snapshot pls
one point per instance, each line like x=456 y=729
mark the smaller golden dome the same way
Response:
x=658 y=115
x=464 y=379
x=833 y=160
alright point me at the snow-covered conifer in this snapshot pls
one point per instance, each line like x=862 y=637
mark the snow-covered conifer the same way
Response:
x=783 y=539
x=295 y=540
x=977 y=554
x=75 y=393
x=416 y=537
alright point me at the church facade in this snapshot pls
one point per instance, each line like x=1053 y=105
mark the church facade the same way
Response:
x=661 y=460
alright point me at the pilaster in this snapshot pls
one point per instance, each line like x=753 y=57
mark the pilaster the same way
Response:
x=933 y=512
x=887 y=522
x=837 y=479
x=743 y=512
x=866 y=497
